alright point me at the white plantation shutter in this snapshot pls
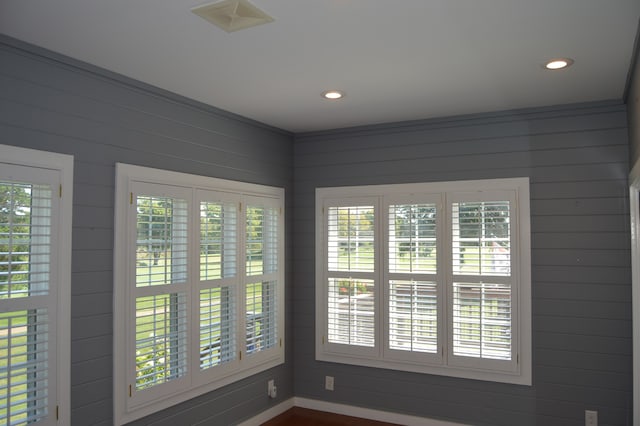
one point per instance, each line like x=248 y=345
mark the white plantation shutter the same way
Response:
x=454 y=260
x=25 y=246
x=260 y=311
x=160 y=295
x=413 y=316
x=412 y=238
x=351 y=312
x=32 y=372
x=218 y=239
x=217 y=327
x=351 y=238
x=350 y=275
x=412 y=290
x=25 y=235
x=198 y=266
x=218 y=261
x=161 y=350
x=483 y=286
x=161 y=246
x=261 y=268
x=482 y=320
x=24 y=366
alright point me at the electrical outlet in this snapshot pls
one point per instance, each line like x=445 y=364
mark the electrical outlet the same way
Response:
x=590 y=418
x=272 y=390
x=328 y=382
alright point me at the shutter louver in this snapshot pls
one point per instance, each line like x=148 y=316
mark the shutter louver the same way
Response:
x=482 y=320
x=351 y=233
x=218 y=240
x=161 y=346
x=412 y=238
x=260 y=311
x=23 y=366
x=161 y=249
x=481 y=238
x=25 y=240
x=217 y=327
x=413 y=314
x=351 y=312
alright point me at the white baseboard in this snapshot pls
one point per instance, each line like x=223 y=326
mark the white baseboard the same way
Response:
x=346 y=410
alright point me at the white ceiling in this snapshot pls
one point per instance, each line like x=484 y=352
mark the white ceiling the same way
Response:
x=396 y=60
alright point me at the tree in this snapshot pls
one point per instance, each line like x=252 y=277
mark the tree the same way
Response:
x=484 y=220
x=154 y=225
x=417 y=223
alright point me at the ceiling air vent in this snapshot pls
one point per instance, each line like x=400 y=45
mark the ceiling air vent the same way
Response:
x=232 y=15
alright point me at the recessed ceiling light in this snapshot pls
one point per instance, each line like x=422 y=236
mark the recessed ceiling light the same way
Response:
x=333 y=94
x=558 y=64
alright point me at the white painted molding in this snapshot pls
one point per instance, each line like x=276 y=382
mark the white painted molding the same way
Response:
x=634 y=200
x=345 y=410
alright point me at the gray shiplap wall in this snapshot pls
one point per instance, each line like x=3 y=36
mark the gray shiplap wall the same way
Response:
x=53 y=103
x=577 y=160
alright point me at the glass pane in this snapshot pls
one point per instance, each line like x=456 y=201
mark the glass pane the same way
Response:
x=351 y=238
x=481 y=238
x=25 y=239
x=351 y=312
x=482 y=320
x=412 y=238
x=413 y=320
x=217 y=327
x=161 y=339
x=23 y=366
x=262 y=240
x=261 y=316
x=161 y=249
x=218 y=240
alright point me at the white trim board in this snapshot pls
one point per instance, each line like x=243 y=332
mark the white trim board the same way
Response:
x=634 y=200
x=346 y=410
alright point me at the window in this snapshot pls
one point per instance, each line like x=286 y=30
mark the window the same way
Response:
x=35 y=274
x=199 y=286
x=431 y=278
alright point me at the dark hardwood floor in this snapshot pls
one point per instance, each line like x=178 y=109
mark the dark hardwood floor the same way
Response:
x=304 y=417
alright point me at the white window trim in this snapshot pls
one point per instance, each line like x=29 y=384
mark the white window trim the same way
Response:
x=634 y=206
x=126 y=175
x=522 y=372
x=61 y=269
